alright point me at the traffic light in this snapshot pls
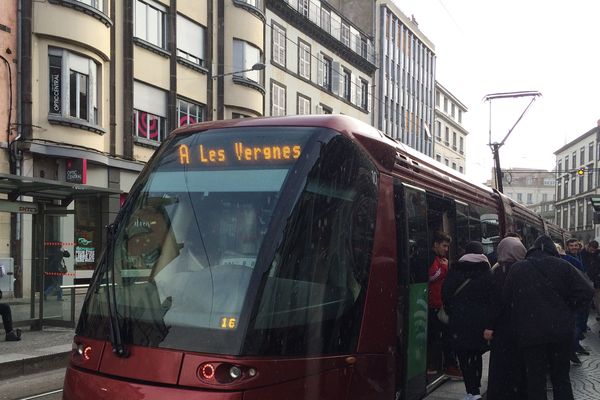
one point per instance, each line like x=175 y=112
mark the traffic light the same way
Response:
x=581 y=171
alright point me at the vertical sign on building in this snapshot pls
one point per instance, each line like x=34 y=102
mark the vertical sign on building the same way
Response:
x=55 y=105
x=76 y=171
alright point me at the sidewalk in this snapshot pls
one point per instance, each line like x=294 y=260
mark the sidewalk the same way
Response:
x=585 y=378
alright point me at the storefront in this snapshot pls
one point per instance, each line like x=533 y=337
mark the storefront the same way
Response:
x=61 y=236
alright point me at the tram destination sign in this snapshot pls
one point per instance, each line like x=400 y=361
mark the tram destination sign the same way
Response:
x=18 y=207
x=238 y=152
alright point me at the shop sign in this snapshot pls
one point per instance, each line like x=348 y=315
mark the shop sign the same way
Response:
x=55 y=85
x=76 y=170
x=85 y=251
x=18 y=207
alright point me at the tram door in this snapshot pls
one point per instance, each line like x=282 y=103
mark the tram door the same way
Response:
x=413 y=252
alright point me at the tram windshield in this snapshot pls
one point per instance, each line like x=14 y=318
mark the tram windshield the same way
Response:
x=237 y=243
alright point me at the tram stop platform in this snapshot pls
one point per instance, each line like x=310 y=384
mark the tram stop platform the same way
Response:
x=49 y=349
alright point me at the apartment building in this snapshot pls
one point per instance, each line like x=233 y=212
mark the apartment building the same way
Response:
x=318 y=61
x=450 y=135
x=577 y=180
x=533 y=188
x=405 y=81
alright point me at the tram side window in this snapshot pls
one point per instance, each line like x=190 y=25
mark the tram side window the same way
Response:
x=462 y=228
x=528 y=232
x=484 y=227
x=314 y=293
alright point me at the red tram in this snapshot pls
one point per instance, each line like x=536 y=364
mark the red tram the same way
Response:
x=277 y=258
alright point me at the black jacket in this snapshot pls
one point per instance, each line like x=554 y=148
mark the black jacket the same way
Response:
x=591 y=262
x=469 y=309
x=543 y=291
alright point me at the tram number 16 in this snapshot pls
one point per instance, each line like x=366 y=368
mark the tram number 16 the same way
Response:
x=228 y=323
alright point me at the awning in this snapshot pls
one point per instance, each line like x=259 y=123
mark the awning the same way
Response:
x=40 y=188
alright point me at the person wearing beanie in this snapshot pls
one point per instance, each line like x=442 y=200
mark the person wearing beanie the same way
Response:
x=544 y=292
x=467 y=296
x=506 y=376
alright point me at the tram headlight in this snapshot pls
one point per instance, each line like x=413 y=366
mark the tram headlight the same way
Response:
x=235 y=372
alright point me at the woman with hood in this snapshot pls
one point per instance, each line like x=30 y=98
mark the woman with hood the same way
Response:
x=506 y=377
x=467 y=297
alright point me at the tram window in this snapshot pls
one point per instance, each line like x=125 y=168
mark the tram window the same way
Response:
x=462 y=228
x=314 y=294
x=528 y=232
x=484 y=227
x=418 y=245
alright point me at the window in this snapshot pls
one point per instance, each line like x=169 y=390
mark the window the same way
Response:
x=73 y=86
x=190 y=40
x=567 y=164
x=520 y=197
x=438 y=158
x=303 y=7
x=447 y=136
x=454 y=166
x=446 y=161
x=437 y=99
x=460 y=116
x=461 y=169
x=453 y=110
x=325 y=70
x=189 y=113
x=278 y=100
x=323 y=109
x=445 y=104
x=364 y=94
x=326 y=20
x=303 y=105
x=245 y=56
x=574 y=160
x=438 y=131
x=149 y=114
x=347 y=84
x=345 y=34
x=97 y=4
x=529 y=198
x=559 y=167
x=150 y=22
x=303 y=59
x=235 y=115
x=573 y=186
x=581 y=183
x=461 y=147
x=566 y=192
x=544 y=197
x=278 y=44
x=591 y=152
x=558 y=190
x=590 y=175
x=582 y=155
x=453 y=140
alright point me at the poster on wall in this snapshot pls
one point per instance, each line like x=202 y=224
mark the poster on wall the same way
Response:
x=85 y=249
x=76 y=170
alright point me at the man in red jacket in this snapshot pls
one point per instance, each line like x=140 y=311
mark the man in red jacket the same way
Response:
x=437 y=273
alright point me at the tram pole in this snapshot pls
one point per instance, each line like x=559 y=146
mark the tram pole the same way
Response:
x=496 y=146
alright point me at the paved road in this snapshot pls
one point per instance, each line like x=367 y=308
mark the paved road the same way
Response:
x=28 y=386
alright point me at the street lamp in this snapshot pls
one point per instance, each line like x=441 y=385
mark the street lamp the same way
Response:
x=256 y=67
x=496 y=146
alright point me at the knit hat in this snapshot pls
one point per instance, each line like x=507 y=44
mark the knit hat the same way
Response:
x=474 y=247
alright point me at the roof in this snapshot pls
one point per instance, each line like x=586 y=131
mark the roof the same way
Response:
x=578 y=139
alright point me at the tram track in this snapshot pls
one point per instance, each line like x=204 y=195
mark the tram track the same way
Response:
x=42 y=395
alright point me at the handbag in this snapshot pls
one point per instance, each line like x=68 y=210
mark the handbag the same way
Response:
x=442 y=314
x=63 y=267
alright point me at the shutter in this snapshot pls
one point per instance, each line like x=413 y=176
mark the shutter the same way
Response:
x=336 y=75
x=358 y=92
x=320 y=72
x=319 y=109
x=369 y=98
x=354 y=87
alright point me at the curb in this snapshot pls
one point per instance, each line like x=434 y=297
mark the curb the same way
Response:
x=32 y=365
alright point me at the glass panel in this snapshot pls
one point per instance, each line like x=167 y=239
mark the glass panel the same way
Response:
x=153 y=27
x=58 y=266
x=83 y=96
x=73 y=94
x=140 y=20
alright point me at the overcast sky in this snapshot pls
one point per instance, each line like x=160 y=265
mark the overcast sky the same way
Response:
x=491 y=46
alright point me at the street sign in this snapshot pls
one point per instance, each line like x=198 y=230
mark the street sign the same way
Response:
x=18 y=207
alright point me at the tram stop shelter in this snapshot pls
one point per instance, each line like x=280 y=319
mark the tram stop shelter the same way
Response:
x=40 y=217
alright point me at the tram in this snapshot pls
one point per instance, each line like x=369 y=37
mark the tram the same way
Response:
x=278 y=258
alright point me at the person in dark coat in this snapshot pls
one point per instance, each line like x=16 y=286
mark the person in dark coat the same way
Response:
x=544 y=291
x=54 y=277
x=506 y=377
x=467 y=296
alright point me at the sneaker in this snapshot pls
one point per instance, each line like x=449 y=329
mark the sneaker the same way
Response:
x=13 y=336
x=453 y=373
x=574 y=359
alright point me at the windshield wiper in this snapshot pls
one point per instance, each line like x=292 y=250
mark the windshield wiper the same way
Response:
x=116 y=335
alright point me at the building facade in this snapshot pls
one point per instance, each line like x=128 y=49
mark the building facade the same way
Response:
x=405 y=82
x=577 y=180
x=318 y=61
x=533 y=188
x=450 y=135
